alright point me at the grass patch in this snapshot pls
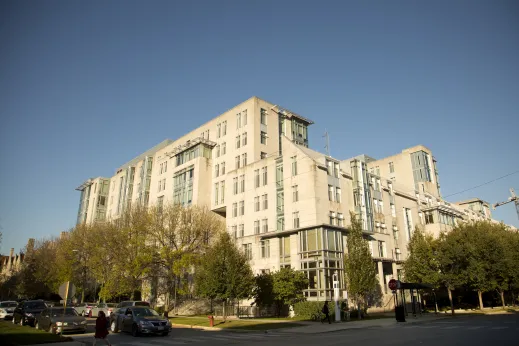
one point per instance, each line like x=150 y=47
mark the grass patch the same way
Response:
x=234 y=324
x=12 y=335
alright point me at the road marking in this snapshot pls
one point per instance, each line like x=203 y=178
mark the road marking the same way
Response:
x=475 y=327
x=503 y=327
x=168 y=341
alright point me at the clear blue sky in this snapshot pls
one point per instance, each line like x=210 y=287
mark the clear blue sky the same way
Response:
x=87 y=85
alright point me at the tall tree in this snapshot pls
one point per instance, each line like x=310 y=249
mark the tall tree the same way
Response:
x=422 y=266
x=359 y=268
x=224 y=272
x=263 y=291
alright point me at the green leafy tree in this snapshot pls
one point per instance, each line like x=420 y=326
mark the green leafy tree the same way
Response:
x=288 y=286
x=422 y=265
x=359 y=268
x=263 y=291
x=224 y=272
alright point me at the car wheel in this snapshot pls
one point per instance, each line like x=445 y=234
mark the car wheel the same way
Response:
x=113 y=327
x=135 y=330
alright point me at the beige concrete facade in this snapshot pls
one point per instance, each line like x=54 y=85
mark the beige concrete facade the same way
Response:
x=285 y=204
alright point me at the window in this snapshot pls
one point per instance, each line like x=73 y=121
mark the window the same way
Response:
x=224 y=128
x=238 y=120
x=295 y=194
x=224 y=146
x=265 y=202
x=382 y=248
x=242 y=183
x=256 y=227
x=222 y=189
x=329 y=167
x=238 y=142
x=256 y=203
x=223 y=167
x=216 y=193
x=397 y=254
x=281 y=223
x=256 y=178
x=237 y=161
x=264 y=173
x=263 y=116
x=429 y=218
x=294 y=165
x=263 y=155
x=247 y=248
x=235 y=185
x=216 y=170
x=263 y=137
x=391 y=167
x=244 y=139
x=295 y=218
x=264 y=226
x=218 y=130
x=241 y=231
x=233 y=230
x=265 y=248
x=284 y=249
x=336 y=169
x=338 y=196
x=340 y=220
x=244 y=117
x=218 y=151
x=330 y=192
x=242 y=208
x=332 y=218
x=234 y=209
x=244 y=159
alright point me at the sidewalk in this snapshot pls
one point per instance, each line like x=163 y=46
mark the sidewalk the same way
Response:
x=316 y=327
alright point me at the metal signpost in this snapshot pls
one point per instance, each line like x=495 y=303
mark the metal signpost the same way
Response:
x=65 y=290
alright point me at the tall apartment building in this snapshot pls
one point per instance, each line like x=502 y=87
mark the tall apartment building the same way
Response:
x=285 y=204
x=93 y=200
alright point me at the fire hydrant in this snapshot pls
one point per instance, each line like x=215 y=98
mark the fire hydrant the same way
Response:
x=211 y=320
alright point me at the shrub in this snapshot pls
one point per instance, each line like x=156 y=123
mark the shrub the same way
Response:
x=306 y=309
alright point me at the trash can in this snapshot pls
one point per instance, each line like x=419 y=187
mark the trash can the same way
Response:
x=400 y=313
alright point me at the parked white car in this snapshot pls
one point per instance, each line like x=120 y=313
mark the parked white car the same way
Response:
x=107 y=308
x=7 y=308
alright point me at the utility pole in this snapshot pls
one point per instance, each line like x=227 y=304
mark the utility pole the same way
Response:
x=511 y=199
x=327 y=145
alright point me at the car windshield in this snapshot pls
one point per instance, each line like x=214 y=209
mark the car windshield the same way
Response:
x=8 y=304
x=142 y=304
x=144 y=312
x=59 y=312
x=34 y=305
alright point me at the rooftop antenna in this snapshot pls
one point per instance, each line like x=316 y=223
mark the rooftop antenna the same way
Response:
x=327 y=146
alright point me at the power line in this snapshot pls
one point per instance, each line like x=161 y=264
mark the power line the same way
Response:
x=486 y=183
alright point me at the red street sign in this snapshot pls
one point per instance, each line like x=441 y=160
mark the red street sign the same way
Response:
x=393 y=284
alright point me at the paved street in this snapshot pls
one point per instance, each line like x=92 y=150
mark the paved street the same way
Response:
x=467 y=330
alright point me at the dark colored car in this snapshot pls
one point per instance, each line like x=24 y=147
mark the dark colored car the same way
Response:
x=139 y=320
x=127 y=303
x=56 y=320
x=27 y=311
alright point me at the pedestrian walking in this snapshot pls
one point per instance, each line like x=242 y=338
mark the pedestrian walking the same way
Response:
x=102 y=326
x=326 y=312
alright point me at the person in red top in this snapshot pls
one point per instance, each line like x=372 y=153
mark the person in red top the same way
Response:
x=101 y=329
